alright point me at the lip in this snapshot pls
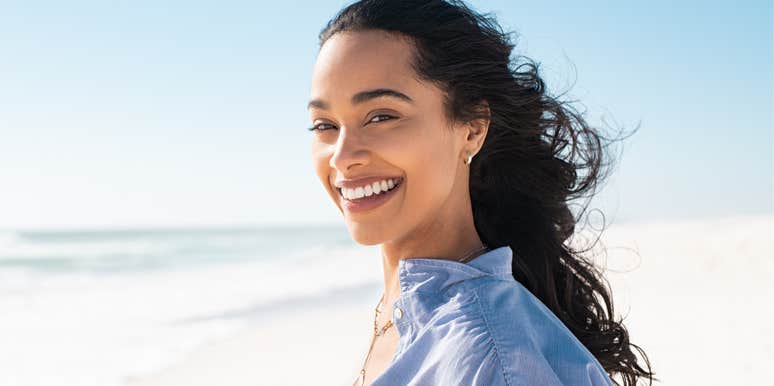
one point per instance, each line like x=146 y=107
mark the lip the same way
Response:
x=372 y=201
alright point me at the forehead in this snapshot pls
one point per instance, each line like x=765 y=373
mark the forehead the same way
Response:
x=352 y=61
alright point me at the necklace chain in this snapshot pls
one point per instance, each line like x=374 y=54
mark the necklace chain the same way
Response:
x=378 y=309
x=470 y=255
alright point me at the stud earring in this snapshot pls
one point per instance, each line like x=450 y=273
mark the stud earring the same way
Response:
x=470 y=159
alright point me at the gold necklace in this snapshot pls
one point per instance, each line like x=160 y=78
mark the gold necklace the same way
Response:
x=378 y=309
x=387 y=325
x=470 y=255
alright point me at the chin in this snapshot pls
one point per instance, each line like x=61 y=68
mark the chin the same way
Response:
x=366 y=235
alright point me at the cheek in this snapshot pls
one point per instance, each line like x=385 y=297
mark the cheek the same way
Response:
x=430 y=169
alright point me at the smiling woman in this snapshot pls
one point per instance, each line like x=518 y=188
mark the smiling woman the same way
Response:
x=482 y=287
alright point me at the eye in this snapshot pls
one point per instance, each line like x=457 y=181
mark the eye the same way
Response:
x=382 y=117
x=320 y=127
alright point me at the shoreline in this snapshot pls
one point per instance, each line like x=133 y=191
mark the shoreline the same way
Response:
x=295 y=347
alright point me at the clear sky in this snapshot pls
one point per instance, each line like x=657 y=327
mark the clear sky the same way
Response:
x=187 y=113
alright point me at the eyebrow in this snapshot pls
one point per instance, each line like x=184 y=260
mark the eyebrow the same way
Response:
x=364 y=96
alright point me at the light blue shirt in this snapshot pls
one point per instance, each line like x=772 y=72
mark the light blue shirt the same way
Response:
x=474 y=324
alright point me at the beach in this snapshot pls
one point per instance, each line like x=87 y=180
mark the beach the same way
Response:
x=693 y=294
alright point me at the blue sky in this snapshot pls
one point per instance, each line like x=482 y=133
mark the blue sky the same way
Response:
x=187 y=113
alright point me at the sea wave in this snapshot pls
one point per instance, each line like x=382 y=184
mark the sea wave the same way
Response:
x=129 y=250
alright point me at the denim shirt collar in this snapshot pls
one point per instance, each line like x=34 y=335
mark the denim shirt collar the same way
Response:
x=434 y=275
x=423 y=282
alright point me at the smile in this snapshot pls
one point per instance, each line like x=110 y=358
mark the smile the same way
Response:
x=369 y=196
x=368 y=190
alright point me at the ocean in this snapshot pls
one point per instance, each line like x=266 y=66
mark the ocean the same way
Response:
x=82 y=308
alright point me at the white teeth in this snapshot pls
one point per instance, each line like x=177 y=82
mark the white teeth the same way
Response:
x=368 y=190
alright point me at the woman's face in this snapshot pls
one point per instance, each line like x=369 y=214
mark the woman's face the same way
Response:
x=365 y=136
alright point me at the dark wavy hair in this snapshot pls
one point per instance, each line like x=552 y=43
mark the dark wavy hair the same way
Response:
x=538 y=156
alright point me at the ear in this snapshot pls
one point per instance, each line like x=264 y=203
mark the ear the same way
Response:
x=478 y=128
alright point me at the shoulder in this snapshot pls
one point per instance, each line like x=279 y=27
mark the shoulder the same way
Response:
x=529 y=344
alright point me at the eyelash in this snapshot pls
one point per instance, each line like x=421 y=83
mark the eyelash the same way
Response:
x=316 y=127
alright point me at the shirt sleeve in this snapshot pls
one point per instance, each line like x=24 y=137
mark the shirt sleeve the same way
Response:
x=534 y=369
x=478 y=367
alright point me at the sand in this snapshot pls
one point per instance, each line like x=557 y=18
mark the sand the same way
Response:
x=297 y=348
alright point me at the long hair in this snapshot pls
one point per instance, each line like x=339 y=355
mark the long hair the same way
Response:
x=538 y=156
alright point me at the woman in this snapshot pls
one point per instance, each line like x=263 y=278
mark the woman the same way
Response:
x=434 y=145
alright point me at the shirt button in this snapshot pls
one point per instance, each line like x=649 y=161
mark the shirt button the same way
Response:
x=398 y=313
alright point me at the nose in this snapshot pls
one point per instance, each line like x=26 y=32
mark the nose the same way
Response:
x=350 y=150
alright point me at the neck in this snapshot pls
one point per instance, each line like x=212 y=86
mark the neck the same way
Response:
x=423 y=242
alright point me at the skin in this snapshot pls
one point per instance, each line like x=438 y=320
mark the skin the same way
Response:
x=430 y=215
